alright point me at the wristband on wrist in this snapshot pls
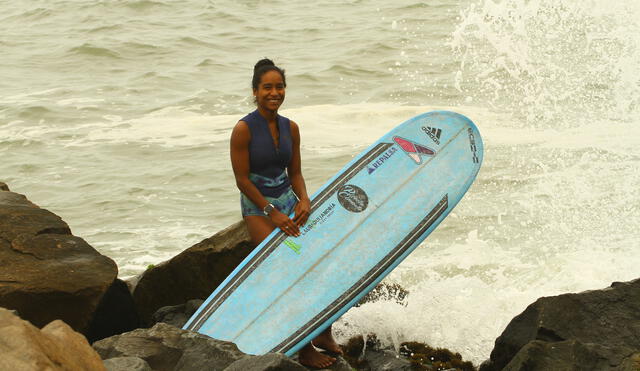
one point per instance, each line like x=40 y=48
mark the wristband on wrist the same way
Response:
x=268 y=209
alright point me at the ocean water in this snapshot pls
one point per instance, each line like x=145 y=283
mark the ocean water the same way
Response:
x=116 y=116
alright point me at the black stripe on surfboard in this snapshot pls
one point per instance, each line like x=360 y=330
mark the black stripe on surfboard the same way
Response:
x=366 y=279
x=231 y=286
x=350 y=173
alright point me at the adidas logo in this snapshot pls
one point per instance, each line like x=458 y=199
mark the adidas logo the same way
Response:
x=433 y=133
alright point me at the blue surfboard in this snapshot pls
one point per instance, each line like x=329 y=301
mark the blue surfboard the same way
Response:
x=364 y=221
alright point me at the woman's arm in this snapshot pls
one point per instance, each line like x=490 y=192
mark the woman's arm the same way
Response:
x=239 y=151
x=303 y=208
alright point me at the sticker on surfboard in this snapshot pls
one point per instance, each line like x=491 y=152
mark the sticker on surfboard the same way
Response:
x=414 y=150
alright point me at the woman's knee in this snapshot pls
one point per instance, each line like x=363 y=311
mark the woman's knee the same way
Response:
x=259 y=228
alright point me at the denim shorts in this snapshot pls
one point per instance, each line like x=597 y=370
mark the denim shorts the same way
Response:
x=285 y=203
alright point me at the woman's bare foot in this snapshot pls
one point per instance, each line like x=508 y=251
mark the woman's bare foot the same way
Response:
x=309 y=356
x=326 y=341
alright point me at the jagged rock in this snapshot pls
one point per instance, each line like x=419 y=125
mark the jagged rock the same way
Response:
x=572 y=355
x=192 y=274
x=20 y=216
x=165 y=347
x=340 y=365
x=176 y=315
x=280 y=362
x=126 y=364
x=267 y=362
x=47 y=273
x=590 y=324
x=55 y=347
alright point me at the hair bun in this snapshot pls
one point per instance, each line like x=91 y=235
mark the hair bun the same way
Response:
x=263 y=62
x=263 y=66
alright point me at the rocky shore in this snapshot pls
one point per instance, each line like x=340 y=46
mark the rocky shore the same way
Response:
x=62 y=307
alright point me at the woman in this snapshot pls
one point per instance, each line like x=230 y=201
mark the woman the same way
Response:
x=265 y=156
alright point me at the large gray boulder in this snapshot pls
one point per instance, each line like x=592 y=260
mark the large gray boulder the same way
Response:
x=583 y=331
x=165 y=347
x=46 y=273
x=192 y=274
x=572 y=355
x=126 y=364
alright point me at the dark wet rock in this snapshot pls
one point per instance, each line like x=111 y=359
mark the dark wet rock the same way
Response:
x=280 y=362
x=267 y=362
x=56 y=347
x=573 y=355
x=165 y=347
x=386 y=360
x=176 y=315
x=425 y=357
x=370 y=355
x=192 y=274
x=48 y=273
x=20 y=216
x=126 y=364
x=596 y=326
x=4 y=186
x=340 y=365
x=115 y=314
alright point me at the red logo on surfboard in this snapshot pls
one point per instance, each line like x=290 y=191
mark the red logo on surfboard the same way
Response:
x=414 y=150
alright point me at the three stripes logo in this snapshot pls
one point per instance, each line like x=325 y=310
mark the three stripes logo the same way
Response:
x=433 y=133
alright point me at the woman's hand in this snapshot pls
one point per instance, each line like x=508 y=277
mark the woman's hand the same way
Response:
x=284 y=223
x=302 y=209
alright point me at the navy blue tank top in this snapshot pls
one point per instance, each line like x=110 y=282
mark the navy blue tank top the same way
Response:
x=267 y=164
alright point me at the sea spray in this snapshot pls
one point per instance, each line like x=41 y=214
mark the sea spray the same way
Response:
x=552 y=62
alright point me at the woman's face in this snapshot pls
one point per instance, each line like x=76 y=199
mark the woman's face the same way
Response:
x=270 y=92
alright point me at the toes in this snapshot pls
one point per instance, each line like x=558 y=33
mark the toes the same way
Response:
x=328 y=362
